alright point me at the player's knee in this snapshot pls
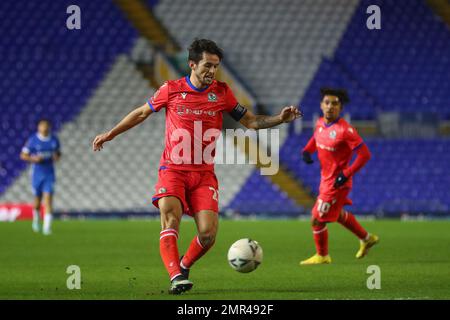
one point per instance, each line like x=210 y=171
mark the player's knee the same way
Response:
x=342 y=216
x=207 y=238
x=169 y=220
x=316 y=223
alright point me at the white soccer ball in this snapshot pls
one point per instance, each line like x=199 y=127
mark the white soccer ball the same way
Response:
x=245 y=255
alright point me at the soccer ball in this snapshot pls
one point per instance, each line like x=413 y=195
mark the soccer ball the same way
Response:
x=245 y=255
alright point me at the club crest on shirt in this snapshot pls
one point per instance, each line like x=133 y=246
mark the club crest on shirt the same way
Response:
x=333 y=134
x=183 y=95
x=212 y=97
x=162 y=190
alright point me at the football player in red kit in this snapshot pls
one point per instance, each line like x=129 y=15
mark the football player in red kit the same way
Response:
x=194 y=107
x=335 y=142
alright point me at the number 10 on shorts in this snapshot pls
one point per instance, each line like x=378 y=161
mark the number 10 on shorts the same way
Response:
x=323 y=207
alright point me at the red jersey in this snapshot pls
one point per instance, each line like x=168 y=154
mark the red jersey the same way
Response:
x=193 y=122
x=335 y=143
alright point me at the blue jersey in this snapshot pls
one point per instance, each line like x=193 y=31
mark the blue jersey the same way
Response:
x=45 y=147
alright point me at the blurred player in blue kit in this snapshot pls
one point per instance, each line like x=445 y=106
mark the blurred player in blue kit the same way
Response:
x=42 y=150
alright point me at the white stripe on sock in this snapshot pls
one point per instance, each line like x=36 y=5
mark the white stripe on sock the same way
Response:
x=183 y=266
x=168 y=234
x=320 y=231
x=178 y=274
x=199 y=243
x=167 y=230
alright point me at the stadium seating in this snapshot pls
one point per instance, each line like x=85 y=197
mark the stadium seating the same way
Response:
x=258 y=196
x=48 y=70
x=405 y=66
x=275 y=46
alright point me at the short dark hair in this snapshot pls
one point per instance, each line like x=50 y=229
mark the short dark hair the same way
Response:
x=44 y=120
x=340 y=93
x=198 y=46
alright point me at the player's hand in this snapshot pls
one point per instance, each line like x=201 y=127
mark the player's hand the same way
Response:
x=341 y=179
x=99 y=140
x=307 y=157
x=36 y=159
x=290 y=113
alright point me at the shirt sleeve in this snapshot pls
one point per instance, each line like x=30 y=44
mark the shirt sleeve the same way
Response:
x=363 y=155
x=27 y=147
x=160 y=98
x=352 y=138
x=310 y=146
x=230 y=100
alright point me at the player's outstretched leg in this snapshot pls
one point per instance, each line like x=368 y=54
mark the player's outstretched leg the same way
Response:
x=367 y=240
x=320 y=232
x=207 y=223
x=171 y=212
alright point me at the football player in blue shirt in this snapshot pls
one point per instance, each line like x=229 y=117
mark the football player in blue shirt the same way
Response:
x=42 y=149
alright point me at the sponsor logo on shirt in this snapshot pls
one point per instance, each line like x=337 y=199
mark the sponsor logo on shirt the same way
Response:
x=322 y=146
x=46 y=154
x=182 y=110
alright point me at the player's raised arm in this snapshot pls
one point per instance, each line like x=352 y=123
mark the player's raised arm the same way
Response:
x=256 y=122
x=132 y=119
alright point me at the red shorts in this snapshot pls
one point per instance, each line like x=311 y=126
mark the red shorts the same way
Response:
x=197 y=190
x=328 y=206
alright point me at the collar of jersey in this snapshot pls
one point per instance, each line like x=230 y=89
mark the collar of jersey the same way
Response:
x=330 y=124
x=194 y=87
x=42 y=138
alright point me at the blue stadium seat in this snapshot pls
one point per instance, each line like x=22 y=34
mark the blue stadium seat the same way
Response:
x=54 y=70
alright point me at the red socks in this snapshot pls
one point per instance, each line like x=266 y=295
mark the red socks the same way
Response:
x=349 y=221
x=194 y=252
x=169 y=252
x=321 y=239
x=168 y=248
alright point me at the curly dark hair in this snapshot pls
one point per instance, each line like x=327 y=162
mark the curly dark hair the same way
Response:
x=340 y=93
x=198 y=46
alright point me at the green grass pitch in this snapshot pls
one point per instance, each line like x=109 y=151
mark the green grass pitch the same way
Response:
x=120 y=260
